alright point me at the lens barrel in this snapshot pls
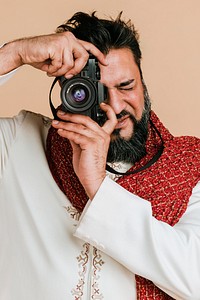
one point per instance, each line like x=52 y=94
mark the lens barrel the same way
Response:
x=78 y=94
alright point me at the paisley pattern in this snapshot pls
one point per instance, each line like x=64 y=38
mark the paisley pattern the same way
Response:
x=88 y=256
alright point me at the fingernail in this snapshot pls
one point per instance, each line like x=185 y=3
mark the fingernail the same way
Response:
x=69 y=76
x=61 y=112
x=55 y=122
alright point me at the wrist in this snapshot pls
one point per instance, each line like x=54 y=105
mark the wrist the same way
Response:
x=9 y=57
x=93 y=187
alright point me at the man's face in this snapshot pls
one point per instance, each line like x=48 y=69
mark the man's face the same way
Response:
x=126 y=96
x=125 y=90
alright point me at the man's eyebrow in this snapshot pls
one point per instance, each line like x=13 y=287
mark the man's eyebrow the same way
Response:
x=125 y=83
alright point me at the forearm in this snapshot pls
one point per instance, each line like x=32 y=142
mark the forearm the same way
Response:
x=9 y=57
x=122 y=226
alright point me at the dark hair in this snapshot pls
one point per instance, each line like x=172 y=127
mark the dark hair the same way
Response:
x=104 y=34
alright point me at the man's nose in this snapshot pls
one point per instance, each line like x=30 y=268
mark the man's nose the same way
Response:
x=116 y=101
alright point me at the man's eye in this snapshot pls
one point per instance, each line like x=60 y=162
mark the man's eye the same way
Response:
x=126 y=89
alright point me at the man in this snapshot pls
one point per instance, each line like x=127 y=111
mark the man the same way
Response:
x=131 y=232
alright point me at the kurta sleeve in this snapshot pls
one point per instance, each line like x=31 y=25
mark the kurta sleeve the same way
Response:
x=121 y=225
x=6 y=77
x=8 y=133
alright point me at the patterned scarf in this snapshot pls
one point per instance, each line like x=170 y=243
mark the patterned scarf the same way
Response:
x=167 y=184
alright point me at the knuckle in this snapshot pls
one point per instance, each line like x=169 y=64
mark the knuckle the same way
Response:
x=88 y=119
x=70 y=64
x=115 y=122
x=105 y=138
x=74 y=71
x=69 y=33
x=85 y=55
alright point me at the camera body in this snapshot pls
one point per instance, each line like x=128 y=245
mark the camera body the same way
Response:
x=83 y=93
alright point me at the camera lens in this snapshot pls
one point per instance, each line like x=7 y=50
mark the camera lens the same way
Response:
x=79 y=93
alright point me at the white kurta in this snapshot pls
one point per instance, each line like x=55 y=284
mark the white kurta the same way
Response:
x=39 y=256
x=47 y=253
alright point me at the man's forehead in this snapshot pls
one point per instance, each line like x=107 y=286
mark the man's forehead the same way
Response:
x=121 y=68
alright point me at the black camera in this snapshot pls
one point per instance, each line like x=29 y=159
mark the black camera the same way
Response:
x=83 y=93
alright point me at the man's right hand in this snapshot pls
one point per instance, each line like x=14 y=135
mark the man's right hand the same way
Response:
x=56 y=54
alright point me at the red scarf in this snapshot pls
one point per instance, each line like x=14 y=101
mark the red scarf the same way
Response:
x=167 y=184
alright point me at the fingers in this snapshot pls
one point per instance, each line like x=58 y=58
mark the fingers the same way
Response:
x=79 y=125
x=87 y=123
x=78 y=59
x=95 y=51
x=62 y=64
x=85 y=132
x=53 y=67
x=73 y=62
x=70 y=55
x=110 y=124
x=73 y=56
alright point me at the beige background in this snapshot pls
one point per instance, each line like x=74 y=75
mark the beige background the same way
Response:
x=170 y=42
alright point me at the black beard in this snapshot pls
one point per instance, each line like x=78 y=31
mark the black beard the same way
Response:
x=134 y=149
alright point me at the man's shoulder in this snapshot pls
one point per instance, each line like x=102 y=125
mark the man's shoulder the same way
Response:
x=187 y=141
x=186 y=146
x=35 y=118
